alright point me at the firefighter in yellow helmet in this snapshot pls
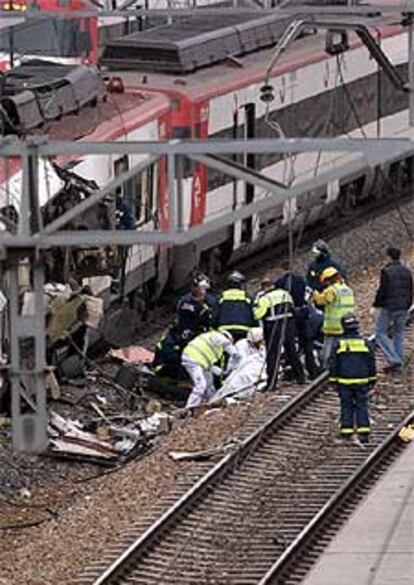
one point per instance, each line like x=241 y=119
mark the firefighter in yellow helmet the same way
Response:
x=336 y=299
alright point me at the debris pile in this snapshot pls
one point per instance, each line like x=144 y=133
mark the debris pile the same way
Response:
x=104 y=443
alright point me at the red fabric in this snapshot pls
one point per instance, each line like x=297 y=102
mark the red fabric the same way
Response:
x=133 y=354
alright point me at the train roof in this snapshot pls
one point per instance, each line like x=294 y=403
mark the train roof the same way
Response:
x=69 y=102
x=110 y=119
x=234 y=73
x=190 y=43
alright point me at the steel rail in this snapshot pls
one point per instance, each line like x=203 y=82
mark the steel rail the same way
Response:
x=297 y=547
x=223 y=468
x=211 y=478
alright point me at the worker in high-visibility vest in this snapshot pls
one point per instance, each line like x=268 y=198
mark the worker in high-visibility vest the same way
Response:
x=274 y=310
x=352 y=369
x=336 y=300
x=203 y=358
x=235 y=307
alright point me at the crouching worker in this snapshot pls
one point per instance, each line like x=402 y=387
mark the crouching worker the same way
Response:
x=203 y=358
x=167 y=358
x=352 y=369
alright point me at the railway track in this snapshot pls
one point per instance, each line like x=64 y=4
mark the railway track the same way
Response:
x=264 y=511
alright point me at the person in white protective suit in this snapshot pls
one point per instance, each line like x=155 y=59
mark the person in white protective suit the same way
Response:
x=203 y=358
x=249 y=368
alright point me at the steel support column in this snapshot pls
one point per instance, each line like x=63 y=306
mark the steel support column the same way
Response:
x=28 y=362
x=27 y=329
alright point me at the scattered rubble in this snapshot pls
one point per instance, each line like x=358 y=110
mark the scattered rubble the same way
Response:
x=112 y=414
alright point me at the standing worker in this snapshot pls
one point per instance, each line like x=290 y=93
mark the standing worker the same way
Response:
x=194 y=314
x=322 y=258
x=337 y=300
x=394 y=297
x=296 y=285
x=203 y=358
x=275 y=310
x=352 y=369
x=235 y=308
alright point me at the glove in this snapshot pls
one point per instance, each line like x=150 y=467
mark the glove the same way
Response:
x=308 y=293
x=216 y=371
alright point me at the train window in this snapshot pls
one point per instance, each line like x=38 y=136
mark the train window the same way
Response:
x=139 y=192
x=143 y=194
x=150 y=199
x=139 y=189
x=126 y=190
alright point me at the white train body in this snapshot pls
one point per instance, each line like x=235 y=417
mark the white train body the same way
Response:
x=223 y=101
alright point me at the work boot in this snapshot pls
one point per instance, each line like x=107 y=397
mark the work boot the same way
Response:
x=363 y=438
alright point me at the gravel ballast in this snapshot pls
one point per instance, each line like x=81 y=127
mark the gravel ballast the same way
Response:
x=91 y=514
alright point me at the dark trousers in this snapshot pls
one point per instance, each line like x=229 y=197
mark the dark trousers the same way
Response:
x=306 y=345
x=273 y=331
x=354 y=408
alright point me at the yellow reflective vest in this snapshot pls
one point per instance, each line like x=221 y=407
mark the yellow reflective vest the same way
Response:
x=338 y=300
x=266 y=304
x=203 y=351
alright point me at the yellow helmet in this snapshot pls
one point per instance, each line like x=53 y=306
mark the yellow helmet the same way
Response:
x=328 y=273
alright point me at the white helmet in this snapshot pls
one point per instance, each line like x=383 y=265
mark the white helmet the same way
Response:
x=255 y=335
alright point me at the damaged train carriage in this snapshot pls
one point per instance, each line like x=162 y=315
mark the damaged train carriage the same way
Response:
x=83 y=109
x=191 y=92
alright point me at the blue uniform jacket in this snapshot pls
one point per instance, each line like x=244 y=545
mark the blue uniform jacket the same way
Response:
x=352 y=361
x=316 y=268
x=168 y=350
x=235 y=309
x=297 y=287
x=193 y=316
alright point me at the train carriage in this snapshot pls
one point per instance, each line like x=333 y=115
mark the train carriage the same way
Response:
x=133 y=115
x=192 y=80
x=317 y=93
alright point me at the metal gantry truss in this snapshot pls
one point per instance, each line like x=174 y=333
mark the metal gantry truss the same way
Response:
x=28 y=370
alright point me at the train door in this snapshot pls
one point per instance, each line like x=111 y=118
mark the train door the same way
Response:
x=249 y=129
x=244 y=127
x=124 y=214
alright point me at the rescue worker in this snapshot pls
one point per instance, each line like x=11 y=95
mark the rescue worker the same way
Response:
x=274 y=310
x=337 y=300
x=167 y=358
x=235 y=308
x=194 y=314
x=322 y=258
x=203 y=358
x=352 y=369
x=266 y=285
x=296 y=285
